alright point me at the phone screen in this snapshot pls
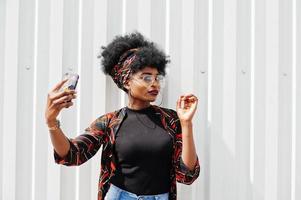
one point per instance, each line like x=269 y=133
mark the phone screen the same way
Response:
x=72 y=81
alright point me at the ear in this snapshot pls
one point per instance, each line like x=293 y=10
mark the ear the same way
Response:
x=127 y=85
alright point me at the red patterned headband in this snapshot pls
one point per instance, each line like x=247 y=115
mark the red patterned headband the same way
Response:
x=122 y=70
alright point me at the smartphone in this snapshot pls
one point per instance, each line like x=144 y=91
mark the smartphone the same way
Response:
x=71 y=83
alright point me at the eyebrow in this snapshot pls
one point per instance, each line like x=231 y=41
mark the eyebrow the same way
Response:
x=148 y=73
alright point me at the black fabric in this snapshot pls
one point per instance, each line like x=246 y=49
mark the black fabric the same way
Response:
x=143 y=150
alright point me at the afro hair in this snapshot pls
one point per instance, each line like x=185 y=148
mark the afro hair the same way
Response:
x=149 y=55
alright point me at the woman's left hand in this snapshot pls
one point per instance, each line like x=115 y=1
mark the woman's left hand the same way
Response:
x=186 y=107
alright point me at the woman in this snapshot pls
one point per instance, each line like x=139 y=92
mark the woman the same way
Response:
x=146 y=148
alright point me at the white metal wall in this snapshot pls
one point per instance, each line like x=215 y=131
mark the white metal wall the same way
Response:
x=240 y=57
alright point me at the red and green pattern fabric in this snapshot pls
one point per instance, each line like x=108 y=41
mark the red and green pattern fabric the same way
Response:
x=122 y=70
x=102 y=131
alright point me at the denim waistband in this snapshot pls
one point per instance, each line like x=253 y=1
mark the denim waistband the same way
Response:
x=116 y=193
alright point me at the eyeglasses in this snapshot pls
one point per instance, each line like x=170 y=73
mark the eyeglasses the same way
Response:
x=149 y=79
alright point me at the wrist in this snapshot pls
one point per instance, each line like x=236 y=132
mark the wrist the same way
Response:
x=53 y=124
x=186 y=122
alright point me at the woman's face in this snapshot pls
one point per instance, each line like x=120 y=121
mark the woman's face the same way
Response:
x=145 y=84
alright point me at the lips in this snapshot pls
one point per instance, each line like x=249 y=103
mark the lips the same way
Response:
x=153 y=92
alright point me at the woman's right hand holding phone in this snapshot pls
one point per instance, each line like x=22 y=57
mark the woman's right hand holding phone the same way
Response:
x=57 y=100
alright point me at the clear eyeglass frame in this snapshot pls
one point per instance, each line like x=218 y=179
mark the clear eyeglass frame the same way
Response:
x=150 y=79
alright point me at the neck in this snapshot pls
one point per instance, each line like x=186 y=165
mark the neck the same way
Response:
x=137 y=105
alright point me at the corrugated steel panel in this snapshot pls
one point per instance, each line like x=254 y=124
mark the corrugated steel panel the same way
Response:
x=241 y=58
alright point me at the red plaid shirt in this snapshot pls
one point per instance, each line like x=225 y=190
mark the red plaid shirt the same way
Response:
x=102 y=131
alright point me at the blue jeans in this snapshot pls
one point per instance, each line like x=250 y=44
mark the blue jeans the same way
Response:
x=116 y=193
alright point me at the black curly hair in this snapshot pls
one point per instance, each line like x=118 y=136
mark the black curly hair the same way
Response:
x=148 y=55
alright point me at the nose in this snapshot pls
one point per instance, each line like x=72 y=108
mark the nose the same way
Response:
x=155 y=84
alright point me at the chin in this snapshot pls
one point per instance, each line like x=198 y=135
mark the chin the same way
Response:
x=152 y=99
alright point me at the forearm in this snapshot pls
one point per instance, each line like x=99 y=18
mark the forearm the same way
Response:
x=189 y=156
x=59 y=141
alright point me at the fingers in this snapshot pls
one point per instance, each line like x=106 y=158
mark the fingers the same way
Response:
x=60 y=104
x=59 y=85
x=189 y=97
x=182 y=103
x=65 y=105
x=63 y=99
x=57 y=103
x=185 y=101
x=56 y=95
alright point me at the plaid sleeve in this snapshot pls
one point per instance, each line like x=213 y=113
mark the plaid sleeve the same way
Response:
x=183 y=173
x=86 y=145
